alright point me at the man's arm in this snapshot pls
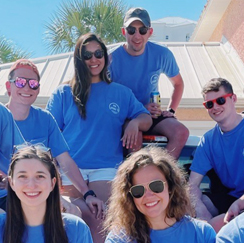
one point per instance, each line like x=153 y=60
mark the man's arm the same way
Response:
x=196 y=195
x=178 y=85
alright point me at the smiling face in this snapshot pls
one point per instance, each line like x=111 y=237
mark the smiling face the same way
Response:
x=221 y=113
x=32 y=183
x=152 y=205
x=136 y=43
x=95 y=65
x=23 y=96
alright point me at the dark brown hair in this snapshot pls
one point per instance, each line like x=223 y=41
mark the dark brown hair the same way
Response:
x=81 y=82
x=15 y=226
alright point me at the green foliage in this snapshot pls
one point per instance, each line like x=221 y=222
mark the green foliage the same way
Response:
x=77 y=17
x=9 y=52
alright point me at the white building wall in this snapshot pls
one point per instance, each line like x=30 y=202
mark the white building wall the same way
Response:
x=167 y=33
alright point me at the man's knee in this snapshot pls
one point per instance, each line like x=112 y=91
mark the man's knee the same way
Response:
x=180 y=133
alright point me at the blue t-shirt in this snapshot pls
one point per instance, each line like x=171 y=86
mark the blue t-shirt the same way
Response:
x=224 y=152
x=186 y=230
x=233 y=232
x=94 y=142
x=41 y=127
x=10 y=136
x=76 y=229
x=141 y=73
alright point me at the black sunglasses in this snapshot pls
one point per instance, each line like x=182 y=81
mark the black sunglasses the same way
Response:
x=21 y=82
x=156 y=186
x=220 y=101
x=98 y=54
x=132 y=30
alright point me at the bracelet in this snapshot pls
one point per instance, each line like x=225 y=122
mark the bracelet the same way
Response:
x=171 y=110
x=89 y=193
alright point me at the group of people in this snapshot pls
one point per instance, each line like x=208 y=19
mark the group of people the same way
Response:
x=76 y=145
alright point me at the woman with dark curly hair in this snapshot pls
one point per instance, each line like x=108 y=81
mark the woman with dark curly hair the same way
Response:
x=150 y=203
x=33 y=213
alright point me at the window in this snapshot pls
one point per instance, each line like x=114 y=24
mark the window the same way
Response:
x=187 y=37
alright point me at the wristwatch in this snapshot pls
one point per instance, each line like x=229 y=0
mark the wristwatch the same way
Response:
x=89 y=193
x=171 y=110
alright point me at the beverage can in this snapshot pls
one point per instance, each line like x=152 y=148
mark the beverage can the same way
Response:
x=155 y=97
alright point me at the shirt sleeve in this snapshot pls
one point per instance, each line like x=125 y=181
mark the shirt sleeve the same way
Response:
x=135 y=107
x=56 y=142
x=233 y=232
x=170 y=66
x=10 y=136
x=201 y=163
x=55 y=106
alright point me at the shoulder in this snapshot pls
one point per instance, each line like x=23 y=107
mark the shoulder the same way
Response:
x=198 y=223
x=201 y=229
x=120 y=87
x=62 y=88
x=118 y=237
x=158 y=48
x=117 y=49
x=37 y=111
x=4 y=111
x=208 y=136
x=233 y=231
x=71 y=220
x=76 y=229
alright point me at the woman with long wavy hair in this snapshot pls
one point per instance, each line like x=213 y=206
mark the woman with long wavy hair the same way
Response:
x=149 y=203
x=90 y=112
x=33 y=213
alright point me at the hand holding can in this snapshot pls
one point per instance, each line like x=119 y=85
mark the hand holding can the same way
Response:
x=155 y=98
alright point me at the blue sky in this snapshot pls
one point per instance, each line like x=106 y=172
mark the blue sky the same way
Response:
x=23 y=21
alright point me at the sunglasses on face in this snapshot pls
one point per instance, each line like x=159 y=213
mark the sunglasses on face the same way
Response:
x=98 y=54
x=220 y=101
x=138 y=191
x=132 y=30
x=21 y=82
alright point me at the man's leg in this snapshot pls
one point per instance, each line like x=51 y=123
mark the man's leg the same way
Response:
x=176 y=133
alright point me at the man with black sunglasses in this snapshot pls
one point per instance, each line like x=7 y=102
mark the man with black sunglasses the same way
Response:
x=138 y=64
x=220 y=155
x=39 y=126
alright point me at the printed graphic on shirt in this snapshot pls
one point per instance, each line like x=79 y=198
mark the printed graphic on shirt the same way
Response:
x=114 y=108
x=154 y=79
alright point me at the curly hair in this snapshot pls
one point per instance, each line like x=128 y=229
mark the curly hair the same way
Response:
x=81 y=82
x=54 y=231
x=123 y=215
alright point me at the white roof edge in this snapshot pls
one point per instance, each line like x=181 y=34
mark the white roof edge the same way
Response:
x=209 y=19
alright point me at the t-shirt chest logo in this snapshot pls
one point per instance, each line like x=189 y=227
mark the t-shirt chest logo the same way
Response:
x=154 y=79
x=114 y=108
